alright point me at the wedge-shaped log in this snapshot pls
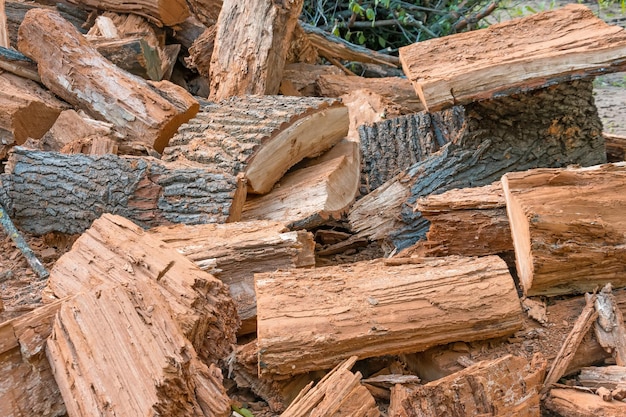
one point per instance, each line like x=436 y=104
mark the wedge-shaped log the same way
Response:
x=233 y=252
x=119 y=351
x=114 y=251
x=259 y=136
x=146 y=190
x=508 y=386
x=313 y=319
x=513 y=56
x=573 y=403
x=251 y=45
x=310 y=196
x=568 y=227
x=148 y=114
x=159 y=12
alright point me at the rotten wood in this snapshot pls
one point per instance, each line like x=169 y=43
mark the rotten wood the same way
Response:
x=569 y=402
x=567 y=234
x=373 y=309
x=159 y=12
x=609 y=327
x=513 y=56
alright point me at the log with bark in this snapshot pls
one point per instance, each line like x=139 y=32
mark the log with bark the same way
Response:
x=260 y=137
x=313 y=319
x=567 y=227
x=517 y=55
x=18 y=64
x=114 y=251
x=250 y=47
x=555 y=126
x=159 y=12
x=233 y=252
x=148 y=114
x=615 y=147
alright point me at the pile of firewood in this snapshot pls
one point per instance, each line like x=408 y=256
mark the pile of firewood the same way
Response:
x=213 y=157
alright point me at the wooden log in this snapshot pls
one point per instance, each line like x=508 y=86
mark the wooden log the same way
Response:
x=339 y=392
x=505 y=386
x=4 y=32
x=567 y=234
x=373 y=309
x=301 y=49
x=541 y=49
x=118 y=350
x=18 y=64
x=207 y=11
x=557 y=126
x=303 y=78
x=133 y=55
x=321 y=190
x=609 y=327
x=188 y=31
x=615 y=147
x=251 y=46
x=201 y=50
x=159 y=12
x=142 y=112
x=148 y=191
x=602 y=376
x=260 y=137
x=114 y=251
x=569 y=402
x=233 y=252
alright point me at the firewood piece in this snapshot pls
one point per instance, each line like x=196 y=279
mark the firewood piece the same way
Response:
x=116 y=251
x=18 y=64
x=233 y=252
x=201 y=50
x=397 y=90
x=250 y=47
x=303 y=77
x=259 y=136
x=541 y=49
x=602 y=376
x=133 y=55
x=333 y=47
x=17 y=238
x=338 y=393
x=159 y=12
x=362 y=309
x=568 y=234
x=4 y=32
x=143 y=365
x=609 y=328
x=188 y=31
x=148 y=191
x=558 y=126
x=207 y=11
x=615 y=147
x=505 y=386
x=604 y=393
x=571 y=343
x=140 y=111
x=314 y=194
x=301 y=49
x=569 y=402
x=619 y=392
x=467 y=221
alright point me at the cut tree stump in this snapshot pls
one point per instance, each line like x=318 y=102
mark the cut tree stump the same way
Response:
x=146 y=190
x=508 y=386
x=568 y=227
x=233 y=252
x=313 y=319
x=251 y=45
x=569 y=402
x=259 y=136
x=514 y=56
x=323 y=189
x=555 y=126
x=114 y=251
x=148 y=114
x=118 y=350
x=159 y=12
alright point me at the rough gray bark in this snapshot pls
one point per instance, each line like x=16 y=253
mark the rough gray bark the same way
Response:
x=48 y=191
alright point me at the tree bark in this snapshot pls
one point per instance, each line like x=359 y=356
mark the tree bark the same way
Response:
x=260 y=137
x=251 y=46
x=568 y=237
x=144 y=113
x=515 y=56
x=313 y=319
x=159 y=12
x=556 y=126
x=147 y=191
x=18 y=64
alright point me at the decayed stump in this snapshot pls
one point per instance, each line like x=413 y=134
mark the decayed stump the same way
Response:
x=259 y=136
x=313 y=319
x=147 y=114
x=146 y=190
x=568 y=227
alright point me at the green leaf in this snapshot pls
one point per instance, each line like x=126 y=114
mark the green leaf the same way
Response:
x=361 y=38
x=335 y=31
x=382 y=42
x=243 y=411
x=370 y=14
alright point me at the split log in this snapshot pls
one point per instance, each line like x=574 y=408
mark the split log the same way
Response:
x=602 y=376
x=114 y=251
x=201 y=50
x=567 y=234
x=373 y=309
x=514 y=56
x=251 y=45
x=556 y=126
x=133 y=55
x=301 y=49
x=147 y=191
x=467 y=222
x=321 y=190
x=569 y=402
x=609 y=328
x=207 y=11
x=615 y=147
x=302 y=78
x=118 y=350
x=144 y=113
x=188 y=31
x=18 y=64
x=159 y=12
x=259 y=136
x=338 y=393
x=4 y=33
x=233 y=252
x=508 y=386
